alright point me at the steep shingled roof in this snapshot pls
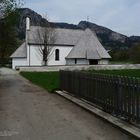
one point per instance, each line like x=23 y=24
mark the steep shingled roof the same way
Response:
x=20 y=52
x=88 y=47
x=85 y=43
x=62 y=36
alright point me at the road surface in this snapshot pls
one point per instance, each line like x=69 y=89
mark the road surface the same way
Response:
x=28 y=112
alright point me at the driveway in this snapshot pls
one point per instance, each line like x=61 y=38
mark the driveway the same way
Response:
x=28 y=112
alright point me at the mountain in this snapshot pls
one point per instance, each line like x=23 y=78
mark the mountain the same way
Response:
x=36 y=20
x=112 y=36
x=110 y=39
x=65 y=25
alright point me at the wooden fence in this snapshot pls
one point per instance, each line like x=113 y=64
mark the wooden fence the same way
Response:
x=117 y=95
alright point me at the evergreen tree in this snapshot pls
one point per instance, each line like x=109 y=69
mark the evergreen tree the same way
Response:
x=8 y=19
x=134 y=53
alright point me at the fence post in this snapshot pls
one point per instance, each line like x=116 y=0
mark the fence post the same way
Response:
x=60 y=79
x=119 y=95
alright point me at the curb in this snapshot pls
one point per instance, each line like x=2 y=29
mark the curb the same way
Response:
x=124 y=126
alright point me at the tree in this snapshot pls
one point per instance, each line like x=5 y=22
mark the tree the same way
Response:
x=8 y=20
x=134 y=53
x=8 y=7
x=46 y=36
x=119 y=55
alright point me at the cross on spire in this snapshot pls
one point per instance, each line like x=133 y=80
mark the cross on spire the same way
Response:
x=87 y=18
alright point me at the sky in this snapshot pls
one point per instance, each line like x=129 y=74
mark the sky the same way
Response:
x=122 y=16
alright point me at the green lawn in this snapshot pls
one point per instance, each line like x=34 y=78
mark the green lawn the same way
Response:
x=130 y=73
x=121 y=62
x=50 y=80
x=47 y=80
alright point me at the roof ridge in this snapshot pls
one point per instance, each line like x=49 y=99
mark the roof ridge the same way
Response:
x=88 y=47
x=32 y=26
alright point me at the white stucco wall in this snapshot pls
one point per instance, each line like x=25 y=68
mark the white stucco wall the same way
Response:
x=86 y=62
x=103 y=62
x=70 y=62
x=35 y=57
x=63 y=51
x=78 y=62
x=82 y=61
x=28 y=48
x=18 y=62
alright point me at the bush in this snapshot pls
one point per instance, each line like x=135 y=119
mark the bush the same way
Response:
x=134 y=53
x=119 y=55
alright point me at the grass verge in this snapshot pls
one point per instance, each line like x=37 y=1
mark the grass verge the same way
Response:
x=129 y=72
x=47 y=80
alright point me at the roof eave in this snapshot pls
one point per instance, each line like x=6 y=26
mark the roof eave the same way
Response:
x=71 y=45
x=18 y=57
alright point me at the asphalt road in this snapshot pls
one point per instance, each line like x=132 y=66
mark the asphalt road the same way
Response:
x=28 y=112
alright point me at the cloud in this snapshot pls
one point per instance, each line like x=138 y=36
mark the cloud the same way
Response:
x=119 y=15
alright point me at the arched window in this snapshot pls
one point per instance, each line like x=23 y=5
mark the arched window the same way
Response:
x=57 y=54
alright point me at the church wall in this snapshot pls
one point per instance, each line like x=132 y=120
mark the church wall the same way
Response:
x=63 y=52
x=77 y=62
x=36 y=58
x=18 y=62
x=103 y=62
x=82 y=61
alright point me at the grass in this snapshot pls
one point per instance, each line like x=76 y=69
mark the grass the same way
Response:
x=129 y=72
x=47 y=80
x=121 y=62
x=50 y=80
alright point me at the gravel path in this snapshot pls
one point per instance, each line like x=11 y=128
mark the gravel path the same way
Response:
x=28 y=112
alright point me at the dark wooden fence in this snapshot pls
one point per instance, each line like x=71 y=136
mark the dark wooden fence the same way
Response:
x=117 y=95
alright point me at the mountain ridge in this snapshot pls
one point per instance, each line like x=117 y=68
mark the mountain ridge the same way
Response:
x=109 y=38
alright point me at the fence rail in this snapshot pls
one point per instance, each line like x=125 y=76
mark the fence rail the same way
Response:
x=117 y=95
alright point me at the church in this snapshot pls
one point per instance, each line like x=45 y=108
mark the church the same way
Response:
x=71 y=47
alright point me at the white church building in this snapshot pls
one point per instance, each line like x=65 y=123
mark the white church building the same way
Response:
x=71 y=47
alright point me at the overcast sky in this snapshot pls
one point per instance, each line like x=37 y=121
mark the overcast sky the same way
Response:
x=119 y=15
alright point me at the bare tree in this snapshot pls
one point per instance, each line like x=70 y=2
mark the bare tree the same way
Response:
x=46 y=37
x=9 y=6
